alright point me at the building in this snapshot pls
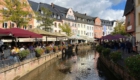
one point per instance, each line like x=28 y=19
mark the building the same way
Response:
x=137 y=20
x=98 y=29
x=108 y=26
x=129 y=13
x=80 y=24
x=10 y=24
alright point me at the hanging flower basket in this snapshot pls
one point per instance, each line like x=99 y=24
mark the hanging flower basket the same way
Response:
x=39 y=52
x=55 y=48
x=23 y=54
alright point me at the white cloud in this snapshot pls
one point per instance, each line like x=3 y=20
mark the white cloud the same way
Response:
x=95 y=8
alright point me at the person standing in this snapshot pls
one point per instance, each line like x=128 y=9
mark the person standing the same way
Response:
x=76 y=49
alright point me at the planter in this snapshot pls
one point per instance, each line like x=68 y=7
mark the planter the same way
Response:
x=22 y=58
x=37 y=54
x=22 y=54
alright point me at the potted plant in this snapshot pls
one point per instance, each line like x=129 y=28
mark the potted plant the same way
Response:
x=60 y=47
x=39 y=52
x=55 y=48
x=48 y=49
x=115 y=56
x=23 y=54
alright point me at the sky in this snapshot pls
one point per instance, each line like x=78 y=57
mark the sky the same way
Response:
x=104 y=9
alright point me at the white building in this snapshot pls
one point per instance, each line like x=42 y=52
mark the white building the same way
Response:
x=108 y=26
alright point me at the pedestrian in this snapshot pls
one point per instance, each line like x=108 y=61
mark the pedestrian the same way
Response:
x=64 y=53
x=76 y=49
x=138 y=47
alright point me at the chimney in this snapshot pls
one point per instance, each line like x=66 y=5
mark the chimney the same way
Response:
x=85 y=14
x=52 y=5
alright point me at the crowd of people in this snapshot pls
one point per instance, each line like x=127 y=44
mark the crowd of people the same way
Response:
x=16 y=47
x=123 y=45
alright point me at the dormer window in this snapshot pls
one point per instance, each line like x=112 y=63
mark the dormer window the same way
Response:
x=83 y=19
x=41 y=11
x=54 y=16
x=58 y=17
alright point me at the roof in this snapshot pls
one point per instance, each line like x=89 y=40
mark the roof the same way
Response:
x=129 y=7
x=34 y=5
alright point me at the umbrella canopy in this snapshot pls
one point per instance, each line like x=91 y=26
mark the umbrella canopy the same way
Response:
x=42 y=32
x=17 y=32
x=4 y=32
x=119 y=36
x=109 y=37
x=60 y=35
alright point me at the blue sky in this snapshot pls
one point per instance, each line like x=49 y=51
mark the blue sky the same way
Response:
x=120 y=6
x=104 y=9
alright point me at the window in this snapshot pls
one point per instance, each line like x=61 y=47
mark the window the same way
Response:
x=30 y=26
x=41 y=12
x=12 y=25
x=5 y=10
x=58 y=17
x=54 y=16
x=30 y=15
x=5 y=25
x=24 y=27
x=55 y=31
x=55 y=24
x=128 y=22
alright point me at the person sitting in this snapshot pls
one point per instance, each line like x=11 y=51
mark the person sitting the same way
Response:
x=14 y=53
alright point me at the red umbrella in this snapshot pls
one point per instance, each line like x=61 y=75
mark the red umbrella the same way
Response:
x=109 y=37
x=17 y=32
x=4 y=32
x=119 y=36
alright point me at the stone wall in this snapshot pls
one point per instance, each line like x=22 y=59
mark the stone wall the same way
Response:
x=22 y=68
x=120 y=71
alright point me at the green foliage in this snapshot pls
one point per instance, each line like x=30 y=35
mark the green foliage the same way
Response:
x=23 y=53
x=60 y=47
x=120 y=29
x=106 y=51
x=39 y=51
x=48 y=48
x=115 y=56
x=66 y=28
x=55 y=47
x=99 y=48
x=133 y=64
x=45 y=18
x=15 y=12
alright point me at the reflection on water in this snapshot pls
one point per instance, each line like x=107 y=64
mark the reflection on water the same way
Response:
x=81 y=67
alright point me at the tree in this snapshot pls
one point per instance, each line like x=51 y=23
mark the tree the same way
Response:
x=44 y=16
x=15 y=11
x=120 y=29
x=66 y=28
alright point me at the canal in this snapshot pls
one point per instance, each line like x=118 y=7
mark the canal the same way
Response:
x=81 y=67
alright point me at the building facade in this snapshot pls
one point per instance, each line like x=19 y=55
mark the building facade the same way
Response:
x=98 y=29
x=10 y=24
x=137 y=16
x=108 y=26
x=129 y=13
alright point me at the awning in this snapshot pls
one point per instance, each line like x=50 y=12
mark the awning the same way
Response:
x=4 y=32
x=17 y=32
x=119 y=36
x=42 y=32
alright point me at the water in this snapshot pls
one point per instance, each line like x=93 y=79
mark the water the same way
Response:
x=81 y=67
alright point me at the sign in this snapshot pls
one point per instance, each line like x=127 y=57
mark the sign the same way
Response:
x=129 y=27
